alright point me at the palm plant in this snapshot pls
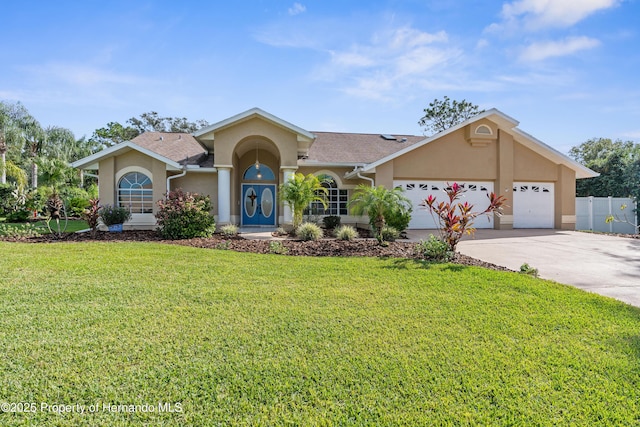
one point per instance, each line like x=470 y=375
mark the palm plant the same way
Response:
x=375 y=202
x=34 y=137
x=299 y=192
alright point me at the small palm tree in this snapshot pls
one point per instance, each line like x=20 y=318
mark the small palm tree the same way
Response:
x=375 y=201
x=299 y=192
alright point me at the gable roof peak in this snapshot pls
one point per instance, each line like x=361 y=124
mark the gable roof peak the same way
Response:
x=249 y=114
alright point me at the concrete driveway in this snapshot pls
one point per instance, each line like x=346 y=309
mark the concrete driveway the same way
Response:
x=606 y=265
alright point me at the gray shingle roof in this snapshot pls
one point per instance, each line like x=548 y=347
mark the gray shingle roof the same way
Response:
x=336 y=147
x=329 y=147
x=179 y=147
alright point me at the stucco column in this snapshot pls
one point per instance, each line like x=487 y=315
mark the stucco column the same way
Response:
x=224 y=195
x=504 y=183
x=287 y=214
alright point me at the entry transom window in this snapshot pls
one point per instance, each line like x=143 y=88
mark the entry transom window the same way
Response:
x=135 y=192
x=263 y=173
x=336 y=199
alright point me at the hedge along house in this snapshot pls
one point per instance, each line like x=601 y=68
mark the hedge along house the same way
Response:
x=241 y=161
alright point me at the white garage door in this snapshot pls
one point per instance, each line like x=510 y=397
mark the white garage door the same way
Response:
x=533 y=205
x=476 y=194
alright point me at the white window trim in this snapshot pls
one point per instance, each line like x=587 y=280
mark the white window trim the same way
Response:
x=136 y=218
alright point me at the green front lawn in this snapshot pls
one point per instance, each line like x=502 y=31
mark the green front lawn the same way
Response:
x=244 y=339
x=72 y=225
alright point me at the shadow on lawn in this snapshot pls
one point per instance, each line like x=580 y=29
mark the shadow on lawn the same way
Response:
x=403 y=264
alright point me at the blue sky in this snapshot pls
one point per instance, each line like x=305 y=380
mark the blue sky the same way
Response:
x=568 y=70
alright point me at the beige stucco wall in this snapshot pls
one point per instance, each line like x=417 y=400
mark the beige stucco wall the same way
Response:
x=565 y=204
x=463 y=155
x=448 y=158
x=530 y=166
x=504 y=179
x=203 y=183
x=110 y=168
x=284 y=141
x=107 y=181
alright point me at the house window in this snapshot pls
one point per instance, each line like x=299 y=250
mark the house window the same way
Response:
x=135 y=191
x=336 y=199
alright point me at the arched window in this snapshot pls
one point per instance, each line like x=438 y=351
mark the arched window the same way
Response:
x=135 y=191
x=336 y=198
x=263 y=174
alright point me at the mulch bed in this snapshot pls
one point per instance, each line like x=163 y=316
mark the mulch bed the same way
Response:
x=323 y=247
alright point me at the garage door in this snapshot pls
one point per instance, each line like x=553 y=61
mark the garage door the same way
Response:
x=476 y=194
x=533 y=205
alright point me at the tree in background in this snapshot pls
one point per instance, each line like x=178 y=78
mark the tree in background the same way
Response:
x=617 y=162
x=115 y=133
x=444 y=114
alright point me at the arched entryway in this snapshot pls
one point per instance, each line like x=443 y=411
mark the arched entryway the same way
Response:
x=258 y=173
x=258 y=200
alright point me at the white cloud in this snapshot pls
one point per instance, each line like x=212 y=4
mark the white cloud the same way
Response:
x=539 y=51
x=631 y=134
x=296 y=9
x=391 y=62
x=535 y=14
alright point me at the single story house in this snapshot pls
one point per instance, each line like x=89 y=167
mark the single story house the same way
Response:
x=240 y=161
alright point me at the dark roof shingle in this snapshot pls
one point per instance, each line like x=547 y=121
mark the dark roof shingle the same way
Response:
x=182 y=148
x=336 y=147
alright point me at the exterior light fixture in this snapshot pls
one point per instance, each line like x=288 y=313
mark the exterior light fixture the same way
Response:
x=257 y=161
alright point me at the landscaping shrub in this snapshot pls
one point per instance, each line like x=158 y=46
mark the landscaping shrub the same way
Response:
x=276 y=247
x=280 y=231
x=92 y=214
x=434 y=249
x=92 y=191
x=346 y=232
x=331 y=222
x=309 y=231
x=398 y=217
x=455 y=218
x=389 y=234
x=19 y=231
x=527 y=269
x=229 y=230
x=111 y=214
x=6 y=204
x=185 y=215
x=21 y=215
x=76 y=200
x=378 y=203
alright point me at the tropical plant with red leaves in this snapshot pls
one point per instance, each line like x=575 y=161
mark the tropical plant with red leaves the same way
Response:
x=456 y=218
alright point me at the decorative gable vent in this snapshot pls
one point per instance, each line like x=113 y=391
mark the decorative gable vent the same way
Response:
x=480 y=135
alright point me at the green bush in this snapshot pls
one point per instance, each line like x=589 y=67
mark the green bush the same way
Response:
x=229 y=230
x=389 y=234
x=184 y=215
x=398 y=217
x=6 y=198
x=527 y=269
x=434 y=249
x=331 y=222
x=92 y=191
x=276 y=247
x=76 y=200
x=309 y=231
x=21 y=215
x=19 y=231
x=111 y=214
x=346 y=232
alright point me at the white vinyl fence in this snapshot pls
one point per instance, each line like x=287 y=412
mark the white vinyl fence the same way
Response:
x=592 y=212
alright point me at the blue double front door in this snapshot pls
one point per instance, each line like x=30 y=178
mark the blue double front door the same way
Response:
x=258 y=204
